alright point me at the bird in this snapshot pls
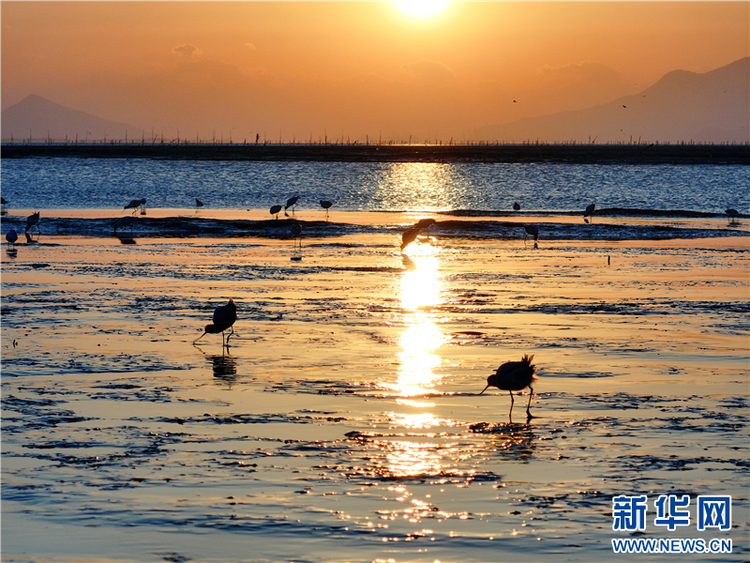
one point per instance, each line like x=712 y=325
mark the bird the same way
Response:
x=275 y=210
x=408 y=237
x=589 y=210
x=325 y=204
x=198 y=203
x=135 y=204
x=516 y=206
x=291 y=202
x=224 y=318
x=11 y=236
x=531 y=230
x=514 y=376
x=3 y=201
x=32 y=220
x=732 y=212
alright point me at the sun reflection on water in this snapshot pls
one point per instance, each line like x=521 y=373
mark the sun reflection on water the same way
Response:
x=420 y=290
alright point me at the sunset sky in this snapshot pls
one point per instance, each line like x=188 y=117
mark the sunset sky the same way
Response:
x=301 y=70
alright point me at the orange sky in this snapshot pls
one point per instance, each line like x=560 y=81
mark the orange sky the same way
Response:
x=306 y=69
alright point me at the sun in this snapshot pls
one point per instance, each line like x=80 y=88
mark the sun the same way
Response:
x=421 y=9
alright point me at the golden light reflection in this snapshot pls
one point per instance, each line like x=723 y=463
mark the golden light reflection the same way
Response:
x=420 y=290
x=418 y=186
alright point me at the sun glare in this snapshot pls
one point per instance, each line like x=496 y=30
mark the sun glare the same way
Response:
x=421 y=9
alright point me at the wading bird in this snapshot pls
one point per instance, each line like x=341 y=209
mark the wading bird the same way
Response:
x=291 y=202
x=11 y=236
x=135 y=204
x=408 y=237
x=732 y=212
x=589 y=210
x=198 y=203
x=3 y=201
x=325 y=204
x=275 y=210
x=224 y=318
x=516 y=206
x=531 y=230
x=514 y=376
x=32 y=220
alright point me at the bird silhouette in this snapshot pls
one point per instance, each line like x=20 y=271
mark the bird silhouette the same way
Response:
x=11 y=236
x=135 y=204
x=589 y=210
x=411 y=234
x=531 y=230
x=409 y=237
x=514 y=376
x=291 y=202
x=325 y=204
x=516 y=206
x=224 y=318
x=275 y=210
x=32 y=220
x=198 y=203
x=3 y=201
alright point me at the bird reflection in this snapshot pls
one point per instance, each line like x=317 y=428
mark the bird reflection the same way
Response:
x=516 y=441
x=224 y=367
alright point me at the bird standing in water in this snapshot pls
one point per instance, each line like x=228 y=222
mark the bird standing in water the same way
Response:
x=224 y=318
x=11 y=236
x=589 y=210
x=532 y=230
x=32 y=220
x=325 y=204
x=275 y=210
x=514 y=376
x=291 y=202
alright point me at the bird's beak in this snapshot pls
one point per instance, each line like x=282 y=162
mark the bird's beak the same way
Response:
x=483 y=390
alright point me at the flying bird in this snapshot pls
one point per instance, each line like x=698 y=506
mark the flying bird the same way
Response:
x=325 y=204
x=275 y=210
x=291 y=202
x=224 y=318
x=589 y=210
x=32 y=220
x=514 y=376
x=11 y=236
x=424 y=223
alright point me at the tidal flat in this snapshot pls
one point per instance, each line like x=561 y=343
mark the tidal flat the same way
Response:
x=343 y=422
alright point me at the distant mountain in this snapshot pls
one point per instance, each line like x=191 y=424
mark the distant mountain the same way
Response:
x=713 y=107
x=40 y=119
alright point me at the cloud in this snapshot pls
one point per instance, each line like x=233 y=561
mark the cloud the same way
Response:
x=429 y=70
x=187 y=51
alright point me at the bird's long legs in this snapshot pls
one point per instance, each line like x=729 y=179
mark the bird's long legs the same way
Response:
x=528 y=414
x=510 y=412
x=228 y=336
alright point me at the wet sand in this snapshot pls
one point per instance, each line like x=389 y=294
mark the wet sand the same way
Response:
x=343 y=423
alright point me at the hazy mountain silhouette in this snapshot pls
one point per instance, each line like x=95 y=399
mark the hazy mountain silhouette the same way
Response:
x=713 y=107
x=41 y=119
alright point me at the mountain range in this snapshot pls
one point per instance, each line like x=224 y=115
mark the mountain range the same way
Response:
x=683 y=106
x=713 y=107
x=38 y=118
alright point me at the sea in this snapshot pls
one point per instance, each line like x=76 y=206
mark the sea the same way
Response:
x=344 y=420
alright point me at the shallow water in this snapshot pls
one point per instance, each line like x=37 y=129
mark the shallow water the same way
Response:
x=343 y=423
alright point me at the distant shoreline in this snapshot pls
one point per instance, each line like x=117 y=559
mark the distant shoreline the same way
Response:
x=480 y=153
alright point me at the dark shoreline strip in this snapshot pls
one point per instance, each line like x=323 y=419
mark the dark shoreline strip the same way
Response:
x=527 y=153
